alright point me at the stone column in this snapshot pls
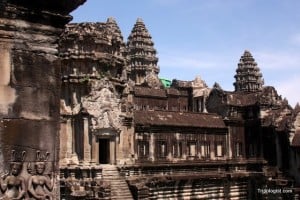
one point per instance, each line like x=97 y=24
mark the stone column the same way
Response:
x=63 y=152
x=112 y=146
x=200 y=102
x=212 y=150
x=204 y=102
x=73 y=136
x=228 y=143
x=118 y=156
x=151 y=147
x=95 y=149
x=69 y=142
x=30 y=80
x=86 y=142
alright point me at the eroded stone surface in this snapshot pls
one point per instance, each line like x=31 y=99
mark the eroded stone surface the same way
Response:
x=30 y=88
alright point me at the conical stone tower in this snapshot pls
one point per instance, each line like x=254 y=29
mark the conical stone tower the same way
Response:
x=248 y=77
x=142 y=54
x=117 y=38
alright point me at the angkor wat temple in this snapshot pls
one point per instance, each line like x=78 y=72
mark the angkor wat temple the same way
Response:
x=85 y=115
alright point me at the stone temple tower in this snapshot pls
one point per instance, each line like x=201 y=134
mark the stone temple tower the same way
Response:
x=248 y=77
x=142 y=54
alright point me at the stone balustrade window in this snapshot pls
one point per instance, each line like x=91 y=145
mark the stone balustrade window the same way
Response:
x=219 y=149
x=177 y=149
x=238 y=149
x=192 y=148
x=161 y=149
x=143 y=149
x=205 y=150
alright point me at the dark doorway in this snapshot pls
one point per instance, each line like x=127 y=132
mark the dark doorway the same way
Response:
x=104 y=151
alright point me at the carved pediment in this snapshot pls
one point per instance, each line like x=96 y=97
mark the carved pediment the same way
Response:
x=103 y=106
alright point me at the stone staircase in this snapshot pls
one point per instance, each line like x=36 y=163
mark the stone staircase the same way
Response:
x=119 y=187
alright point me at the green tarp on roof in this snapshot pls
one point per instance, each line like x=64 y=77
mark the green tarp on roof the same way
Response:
x=165 y=82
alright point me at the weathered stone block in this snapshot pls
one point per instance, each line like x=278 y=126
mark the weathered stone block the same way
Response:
x=30 y=91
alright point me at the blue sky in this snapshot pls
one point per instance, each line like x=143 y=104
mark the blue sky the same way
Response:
x=208 y=37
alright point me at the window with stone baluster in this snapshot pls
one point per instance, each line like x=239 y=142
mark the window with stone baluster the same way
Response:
x=205 y=149
x=177 y=149
x=192 y=148
x=143 y=149
x=161 y=147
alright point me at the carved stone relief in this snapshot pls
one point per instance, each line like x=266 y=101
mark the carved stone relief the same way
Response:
x=12 y=183
x=22 y=181
x=152 y=80
x=200 y=88
x=40 y=185
x=103 y=105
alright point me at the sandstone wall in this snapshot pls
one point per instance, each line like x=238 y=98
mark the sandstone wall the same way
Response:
x=30 y=83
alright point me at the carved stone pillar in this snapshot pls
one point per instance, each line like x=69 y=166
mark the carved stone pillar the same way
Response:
x=66 y=141
x=70 y=140
x=117 y=154
x=112 y=150
x=151 y=147
x=73 y=137
x=86 y=141
x=30 y=79
x=95 y=149
x=229 y=143
x=204 y=103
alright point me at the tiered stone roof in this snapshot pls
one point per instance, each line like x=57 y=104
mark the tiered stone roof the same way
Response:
x=115 y=29
x=179 y=119
x=248 y=76
x=149 y=92
x=92 y=40
x=142 y=54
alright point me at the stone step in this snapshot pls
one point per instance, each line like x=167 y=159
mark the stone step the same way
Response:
x=119 y=187
x=121 y=194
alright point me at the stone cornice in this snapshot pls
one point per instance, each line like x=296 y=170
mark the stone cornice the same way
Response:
x=54 y=12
